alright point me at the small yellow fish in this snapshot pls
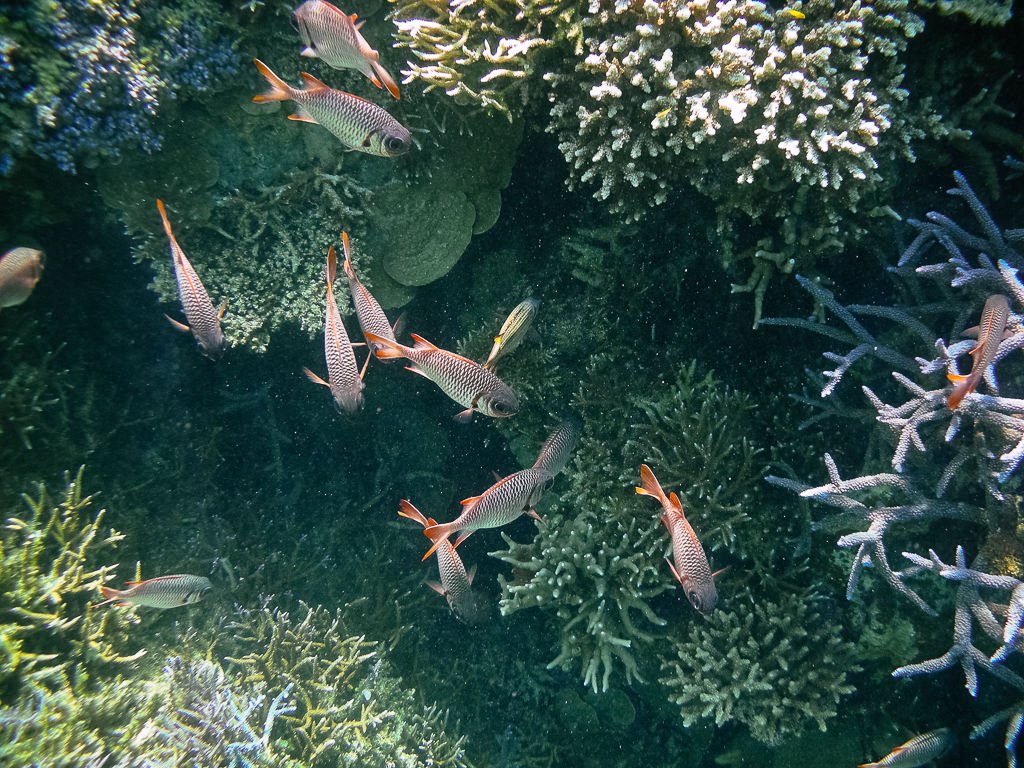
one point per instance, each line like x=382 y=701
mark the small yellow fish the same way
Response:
x=664 y=113
x=20 y=270
x=513 y=330
x=794 y=13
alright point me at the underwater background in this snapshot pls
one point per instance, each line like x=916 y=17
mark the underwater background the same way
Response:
x=703 y=198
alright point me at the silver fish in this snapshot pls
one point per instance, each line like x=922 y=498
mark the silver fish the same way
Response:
x=513 y=331
x=343 y=376
x=691 y=567
x=917 y=751
x=558 y=448
x=161 y=592
x=203 y=319
x=20 y=270
x=467 y=383
x=456 y=583
x=333 y=37
x=371 y=317
x=360 y=124
x=499 y=505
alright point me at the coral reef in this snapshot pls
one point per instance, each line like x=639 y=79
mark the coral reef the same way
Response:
x=954 y=461
x=775 y=667
x=597 y=563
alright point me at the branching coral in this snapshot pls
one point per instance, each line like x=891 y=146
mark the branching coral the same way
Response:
x=597 y=563
x=771 y=666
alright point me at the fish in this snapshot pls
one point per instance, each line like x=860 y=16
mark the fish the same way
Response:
x=691 y=567
x=499 y=505
x=664 y=113
x=467 y=383
x=456 y=582
x=333 y=37
x=371 y=317
x=918 y=751
x=994 y=317
x=343 y=376
x=203 y=319
x=512 y=331
x=20 y=270
x=360 y=124
x=558 y=448
x=161 y=592
x=794 y=13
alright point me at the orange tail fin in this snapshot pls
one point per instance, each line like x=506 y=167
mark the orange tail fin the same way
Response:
x=109 y=595
x=650 y=485
x=349 y=271
x=279 y=89
x=386 y=349
x=437 y=534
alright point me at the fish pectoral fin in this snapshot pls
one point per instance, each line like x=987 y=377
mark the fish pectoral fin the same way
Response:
x=471 y=573
x=464 y=416
x=533 y=513
x=223 y=310
x=180 y=326
x=719 y=572
x=675 y=572
x=956 y=378
x=303 y=117
x=435 y=586
x=313 y=377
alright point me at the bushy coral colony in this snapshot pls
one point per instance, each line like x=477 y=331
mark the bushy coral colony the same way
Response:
x=285 y=623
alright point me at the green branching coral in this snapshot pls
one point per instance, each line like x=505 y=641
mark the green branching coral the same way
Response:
x=775 y=667
x=347 y=710
x=598 y=561
x=49 y=573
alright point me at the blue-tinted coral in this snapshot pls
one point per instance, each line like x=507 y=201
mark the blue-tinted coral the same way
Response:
x=82 y=81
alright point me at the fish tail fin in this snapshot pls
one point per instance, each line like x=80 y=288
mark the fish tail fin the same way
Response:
x=163 y=217
x=386 y=349
x=649 y=485
x=406 y=509
x=385 y=77
x=109 y=595
x=349 y=270
x=962 y=386
x=436 y=534
x=279 y=89
x=332 y=265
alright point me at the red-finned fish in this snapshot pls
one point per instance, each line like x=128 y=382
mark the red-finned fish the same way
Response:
x=371 y=317
x=455 y=583
x=691 y=567
x=360 y=124
x=343 y=376
x=203 y=319
x=161 y=592
x=918 y=751
x=512 y=331
x=558 y=448
x=20 y=270
x=467 y=383
x=500 y=504
x=990 y=334
x=334 y=37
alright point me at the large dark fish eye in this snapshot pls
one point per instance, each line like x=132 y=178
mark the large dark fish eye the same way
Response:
x=695 y=601
x=396 y=145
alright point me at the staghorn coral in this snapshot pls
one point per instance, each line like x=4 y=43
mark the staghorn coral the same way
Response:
x=597 y=563
x=775 y=667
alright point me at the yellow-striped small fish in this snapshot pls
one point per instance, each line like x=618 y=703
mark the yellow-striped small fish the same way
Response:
x=333 y=37
x=918 y=751
x=161 y=592
x=203 y=319
x=513 y=331
x=20 y=270
x=360 y=124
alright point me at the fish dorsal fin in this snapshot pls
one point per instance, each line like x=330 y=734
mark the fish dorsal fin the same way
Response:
x=423 y=343
x=312 y=83
x=674 y=501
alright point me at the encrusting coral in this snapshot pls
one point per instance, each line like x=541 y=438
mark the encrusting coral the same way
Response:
x=775 y=667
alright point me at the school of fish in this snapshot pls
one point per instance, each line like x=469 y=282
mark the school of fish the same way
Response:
x=334 y=37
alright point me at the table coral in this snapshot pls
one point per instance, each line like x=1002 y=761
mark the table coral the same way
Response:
x=774 y=667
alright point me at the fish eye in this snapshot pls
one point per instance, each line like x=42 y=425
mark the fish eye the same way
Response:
x=396 y=145
x=695 y=601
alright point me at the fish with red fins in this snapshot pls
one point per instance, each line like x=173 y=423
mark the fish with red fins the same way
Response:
x=456 y=582
x=918 y=751
x=162 y=592
x=372 y=319
x=991 y=330
x=691 y=567
x=333 y=37
x=203 y=319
